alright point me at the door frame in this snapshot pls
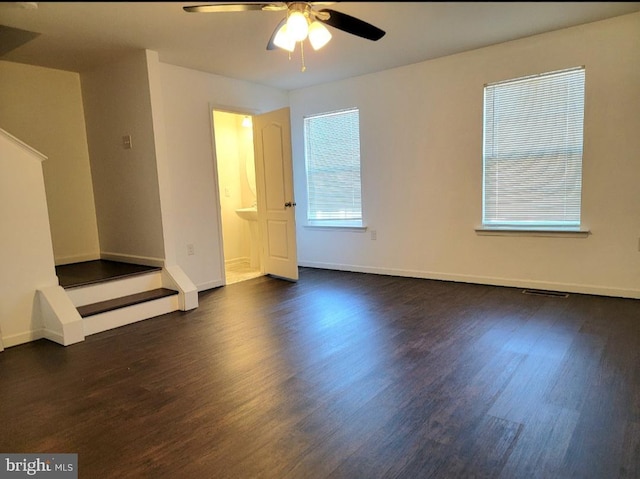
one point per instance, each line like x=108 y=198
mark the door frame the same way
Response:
x=239 y=110
x=216 y=179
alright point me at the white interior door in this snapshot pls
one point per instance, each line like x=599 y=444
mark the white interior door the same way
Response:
x=274 y=185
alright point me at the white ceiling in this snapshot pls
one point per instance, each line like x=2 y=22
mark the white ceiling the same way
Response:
x=79 y=36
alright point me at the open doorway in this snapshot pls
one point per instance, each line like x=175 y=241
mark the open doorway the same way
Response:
x=233 y=134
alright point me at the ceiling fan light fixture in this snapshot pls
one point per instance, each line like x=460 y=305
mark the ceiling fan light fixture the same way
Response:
x=297 y=26
x=319 y=35
x=302 y=20
x=284 y=40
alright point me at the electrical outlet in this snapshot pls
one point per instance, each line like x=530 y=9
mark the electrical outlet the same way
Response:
x=191 y=250
x=374 y=235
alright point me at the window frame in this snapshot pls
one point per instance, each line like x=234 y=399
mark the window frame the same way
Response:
x=345 y=224
x=545 y=227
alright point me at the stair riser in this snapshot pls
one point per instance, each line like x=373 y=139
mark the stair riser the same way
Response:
x=114 y=289
x=131 y=314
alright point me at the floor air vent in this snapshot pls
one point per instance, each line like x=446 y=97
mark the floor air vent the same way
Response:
x=542 y=292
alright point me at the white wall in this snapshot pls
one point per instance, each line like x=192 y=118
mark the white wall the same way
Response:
x=421 y=153
x=125 y=181
x=43 y=107
x=247 y=163
x=26 y=254
x=231 y=148
x=188 y=99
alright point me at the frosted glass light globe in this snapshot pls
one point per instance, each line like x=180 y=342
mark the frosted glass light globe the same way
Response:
x=297 y=26
x=319 y=36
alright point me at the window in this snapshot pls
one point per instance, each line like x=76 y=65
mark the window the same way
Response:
x=332 y=152
x=533 y=151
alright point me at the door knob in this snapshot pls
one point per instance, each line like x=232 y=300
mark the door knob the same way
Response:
x=289 y=204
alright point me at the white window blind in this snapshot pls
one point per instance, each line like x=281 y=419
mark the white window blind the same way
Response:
x=533 y=151
x=332 y=151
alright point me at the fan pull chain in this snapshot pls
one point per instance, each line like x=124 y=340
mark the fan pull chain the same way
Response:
x=302 y=57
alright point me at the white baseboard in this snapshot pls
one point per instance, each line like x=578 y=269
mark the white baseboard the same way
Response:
x=488 y=280
x=133 y=259
x=79 y=258
x=237 y=261
x=209 y=285
x=22 y=338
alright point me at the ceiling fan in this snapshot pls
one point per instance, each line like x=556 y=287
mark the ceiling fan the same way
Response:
x=302 y=20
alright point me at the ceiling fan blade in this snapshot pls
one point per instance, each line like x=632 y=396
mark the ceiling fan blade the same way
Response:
x=270 y=44
x=352 y=25
x=228 y=7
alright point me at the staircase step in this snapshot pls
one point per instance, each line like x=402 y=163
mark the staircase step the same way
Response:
x=124 y=301
x=76 y=275
x=115 y=288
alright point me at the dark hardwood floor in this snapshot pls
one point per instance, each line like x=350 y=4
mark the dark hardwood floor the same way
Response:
x=341 y=375
x=95 y=271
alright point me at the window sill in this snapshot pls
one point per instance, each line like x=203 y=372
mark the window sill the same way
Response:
x=548 y=232
x=336 y=226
